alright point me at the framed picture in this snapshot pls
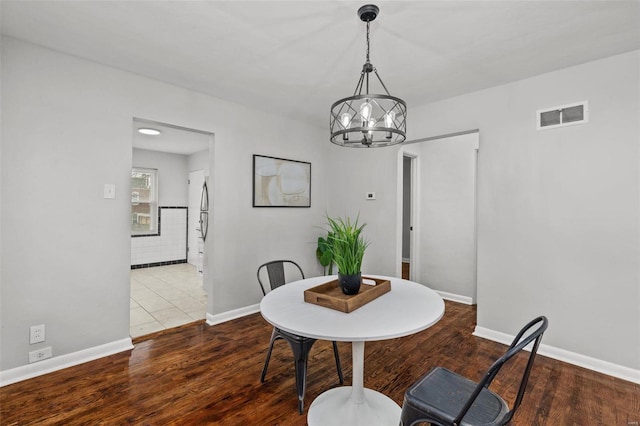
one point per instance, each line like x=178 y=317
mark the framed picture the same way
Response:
x=278 y=182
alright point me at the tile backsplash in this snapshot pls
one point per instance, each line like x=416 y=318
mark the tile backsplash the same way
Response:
x=171 y=243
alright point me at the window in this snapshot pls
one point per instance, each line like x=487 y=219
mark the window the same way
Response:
x=144 y=201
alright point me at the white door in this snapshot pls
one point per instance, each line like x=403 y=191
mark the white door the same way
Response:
x=196 y=179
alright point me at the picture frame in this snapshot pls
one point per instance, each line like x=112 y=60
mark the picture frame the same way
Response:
x=279 y=182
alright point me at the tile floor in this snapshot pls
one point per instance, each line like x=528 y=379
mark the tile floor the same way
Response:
x=164 y=297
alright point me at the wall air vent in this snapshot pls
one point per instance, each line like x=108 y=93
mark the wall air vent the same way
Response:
x=564 y=115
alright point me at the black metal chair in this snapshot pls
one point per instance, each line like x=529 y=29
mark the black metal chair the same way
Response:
x=443 y=397
x=300 y=345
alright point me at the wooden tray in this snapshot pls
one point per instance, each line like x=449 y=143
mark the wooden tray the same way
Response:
x=331 y=296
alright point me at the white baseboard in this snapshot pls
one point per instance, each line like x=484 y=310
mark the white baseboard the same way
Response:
x=230 y=315
x=455 y=297
x=604 y=367
x=50 y=365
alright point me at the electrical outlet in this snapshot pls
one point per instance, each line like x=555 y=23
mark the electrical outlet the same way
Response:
x=40 y=354
x=37 y=334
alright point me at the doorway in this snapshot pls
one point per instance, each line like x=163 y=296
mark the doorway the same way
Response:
x=407 y=203
x=442 y=173
x=166 y=278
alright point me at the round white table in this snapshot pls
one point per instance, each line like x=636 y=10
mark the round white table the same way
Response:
x=408 y=308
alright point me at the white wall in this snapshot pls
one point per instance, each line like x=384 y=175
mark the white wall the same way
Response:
x=198 y=161
x=66 y=131
x=446 y=232
x=172 y=175
x=354 y=172
x=558 y=210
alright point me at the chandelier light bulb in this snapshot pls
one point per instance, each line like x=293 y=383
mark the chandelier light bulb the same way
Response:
x=345 y=119
x=388 y=122
x=365 y=112
x=371 y=124
x=388 y=118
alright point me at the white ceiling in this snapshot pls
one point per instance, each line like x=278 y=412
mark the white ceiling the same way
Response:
x=172 y=139
x=297 y=57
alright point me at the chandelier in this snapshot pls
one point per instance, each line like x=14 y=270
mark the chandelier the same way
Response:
x=367 y=119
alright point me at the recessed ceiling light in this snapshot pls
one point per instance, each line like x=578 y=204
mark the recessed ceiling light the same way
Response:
x=148 y=131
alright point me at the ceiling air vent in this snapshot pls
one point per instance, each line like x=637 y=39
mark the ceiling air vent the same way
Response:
x=564 y=115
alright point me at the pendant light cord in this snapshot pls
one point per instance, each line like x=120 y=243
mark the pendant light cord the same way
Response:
x=367 y=41
x=368 y=63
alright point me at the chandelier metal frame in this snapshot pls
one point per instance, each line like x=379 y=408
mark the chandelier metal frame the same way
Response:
x=368 y=120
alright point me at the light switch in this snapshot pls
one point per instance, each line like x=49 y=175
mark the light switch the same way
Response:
x=109 y=190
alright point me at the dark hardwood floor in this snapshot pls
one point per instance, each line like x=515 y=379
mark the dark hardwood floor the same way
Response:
x=199 y=375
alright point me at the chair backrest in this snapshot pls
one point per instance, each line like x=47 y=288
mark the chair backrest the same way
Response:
x=276 y=273
x=522 y=340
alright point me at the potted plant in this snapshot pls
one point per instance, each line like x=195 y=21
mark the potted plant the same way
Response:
x=347 y=247
x=324 y=255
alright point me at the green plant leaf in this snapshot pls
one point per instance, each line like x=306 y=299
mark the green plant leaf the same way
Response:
x=347 y=245
x=326 y=258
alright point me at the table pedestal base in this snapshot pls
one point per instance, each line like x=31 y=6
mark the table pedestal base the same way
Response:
x=337 y=407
